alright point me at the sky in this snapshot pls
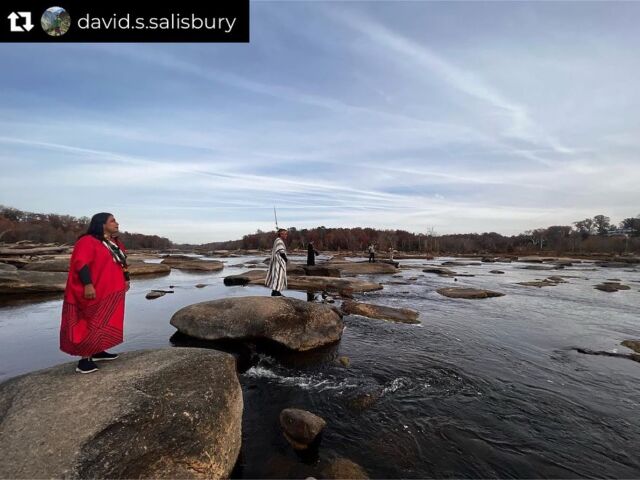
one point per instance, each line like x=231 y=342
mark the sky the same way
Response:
x=449 y=117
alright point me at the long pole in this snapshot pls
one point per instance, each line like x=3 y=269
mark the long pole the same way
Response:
x=276 y=217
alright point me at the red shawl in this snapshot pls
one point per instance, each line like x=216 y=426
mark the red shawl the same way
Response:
x=91 y=326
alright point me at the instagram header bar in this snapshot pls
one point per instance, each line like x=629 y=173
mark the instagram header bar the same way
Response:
x=122 y=21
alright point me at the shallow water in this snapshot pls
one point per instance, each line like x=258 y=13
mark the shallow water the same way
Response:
x=482 y=388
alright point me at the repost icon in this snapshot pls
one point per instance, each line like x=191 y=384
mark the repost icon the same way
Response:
x=24 y=25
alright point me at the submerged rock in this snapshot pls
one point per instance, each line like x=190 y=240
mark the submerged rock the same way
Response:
x=468 y=293
x=538 y=267
x=631 y=356
x=294 y=323
x=171 y=413
x=344 y=468
x=460 y=264
x=547 y=282
x=300 y=427
x=402 y=315
x=496 y=271
x=632 y=344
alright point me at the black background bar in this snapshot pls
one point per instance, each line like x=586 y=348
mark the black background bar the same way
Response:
x=159 y=21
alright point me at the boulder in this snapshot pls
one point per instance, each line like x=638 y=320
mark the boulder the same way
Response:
x=294 y=323
x=194 y=265
x=139 y=269
x=153 y=294
x=402 y=315
x=344 y=468
x=468 y=293
x=60 y=265
x=12 y=282
x=611 y=287
x=300 y=427
x=443 y=272
x=496 y=271
x=170 y=413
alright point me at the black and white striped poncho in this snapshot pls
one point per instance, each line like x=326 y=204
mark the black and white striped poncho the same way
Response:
x=277 y=274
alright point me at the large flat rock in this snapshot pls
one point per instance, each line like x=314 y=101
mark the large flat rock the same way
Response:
x=138 y=269
x=306 y=283
x=362 y=268
x=194 y=264
x=19 y=281
x=468 y=293
x=296 y=324
x=332 y=284
x=171 y=413
x=58 y=265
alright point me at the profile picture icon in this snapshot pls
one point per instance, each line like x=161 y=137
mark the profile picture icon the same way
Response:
x=55 y=21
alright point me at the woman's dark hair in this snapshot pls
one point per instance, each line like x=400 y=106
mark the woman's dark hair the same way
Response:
x=96 y=226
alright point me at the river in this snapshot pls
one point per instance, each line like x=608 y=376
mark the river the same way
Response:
x=481 y=388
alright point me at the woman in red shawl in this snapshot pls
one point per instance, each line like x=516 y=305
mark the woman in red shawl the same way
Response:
x=93 y=307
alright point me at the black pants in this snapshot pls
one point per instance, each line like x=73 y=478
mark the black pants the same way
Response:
x=372 y=258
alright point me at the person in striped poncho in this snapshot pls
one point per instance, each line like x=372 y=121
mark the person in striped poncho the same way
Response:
x=277 y=275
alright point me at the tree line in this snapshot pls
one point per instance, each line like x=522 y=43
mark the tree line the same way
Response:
x=591 y=235
x=17 y=225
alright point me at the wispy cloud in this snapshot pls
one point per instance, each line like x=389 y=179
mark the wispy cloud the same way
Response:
x=341 y=113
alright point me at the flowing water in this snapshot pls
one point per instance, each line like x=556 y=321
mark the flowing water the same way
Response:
x=481 y=388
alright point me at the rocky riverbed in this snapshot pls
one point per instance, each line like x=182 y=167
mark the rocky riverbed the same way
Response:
x=403 y=399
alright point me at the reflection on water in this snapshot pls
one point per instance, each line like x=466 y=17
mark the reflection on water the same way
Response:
x=485 y=388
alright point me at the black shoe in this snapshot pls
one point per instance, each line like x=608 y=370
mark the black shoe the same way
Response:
x=275 y=293
x=100 y=356
x=86 y=365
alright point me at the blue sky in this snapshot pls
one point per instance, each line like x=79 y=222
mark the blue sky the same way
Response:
x=452 y=116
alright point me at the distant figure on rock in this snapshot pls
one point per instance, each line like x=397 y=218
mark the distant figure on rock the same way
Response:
x=93 y=306
x=277 y=275
x=372 y=254
x=311 y=254
x=391 y=253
